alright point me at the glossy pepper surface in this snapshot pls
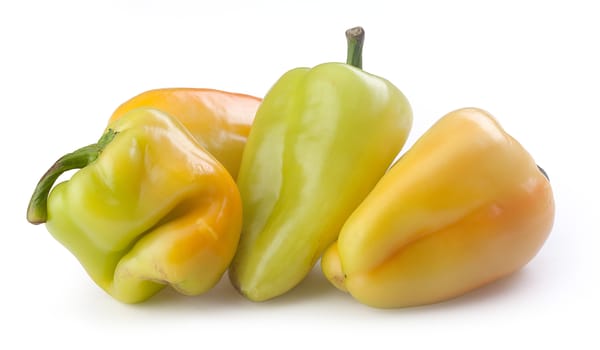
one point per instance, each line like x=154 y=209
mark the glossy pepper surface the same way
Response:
x=219 y=120
x=320 y=141
x=465 y=206
x=149 y=207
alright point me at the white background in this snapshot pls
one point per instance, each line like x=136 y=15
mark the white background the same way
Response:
x=65 y=66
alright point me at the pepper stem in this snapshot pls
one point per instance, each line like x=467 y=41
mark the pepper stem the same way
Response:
x=37 y=211
x=543 y=172
x=355 y=38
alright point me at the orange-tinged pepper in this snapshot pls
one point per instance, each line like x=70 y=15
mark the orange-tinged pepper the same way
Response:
x=465 y=206
x=148 y=207
x=219 y=120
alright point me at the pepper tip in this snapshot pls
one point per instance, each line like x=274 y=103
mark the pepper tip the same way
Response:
x=355 y=32
x=35 y=218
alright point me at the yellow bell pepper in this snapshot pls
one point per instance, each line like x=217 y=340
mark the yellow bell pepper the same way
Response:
x=148 y=208
x=465 y=206
x=219 y=120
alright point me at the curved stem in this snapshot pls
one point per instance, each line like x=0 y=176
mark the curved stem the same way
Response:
x=37 y=211
x=355 y=38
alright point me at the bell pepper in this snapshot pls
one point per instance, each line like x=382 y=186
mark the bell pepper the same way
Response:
x=148 y=207
x=321 y=140
x=465 y=206
x=219 y=120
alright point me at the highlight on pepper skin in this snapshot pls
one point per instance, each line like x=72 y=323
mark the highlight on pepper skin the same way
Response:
x=465 y=206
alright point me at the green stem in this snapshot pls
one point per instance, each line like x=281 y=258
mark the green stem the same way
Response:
x=355 y=38
x=37 y=211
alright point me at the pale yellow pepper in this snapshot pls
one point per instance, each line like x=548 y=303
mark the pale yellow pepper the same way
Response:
x=465 y=206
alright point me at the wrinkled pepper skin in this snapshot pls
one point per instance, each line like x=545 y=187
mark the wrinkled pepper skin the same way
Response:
x=153 y=209
x=320 y=141
x=465 y=206
x=219 y=120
